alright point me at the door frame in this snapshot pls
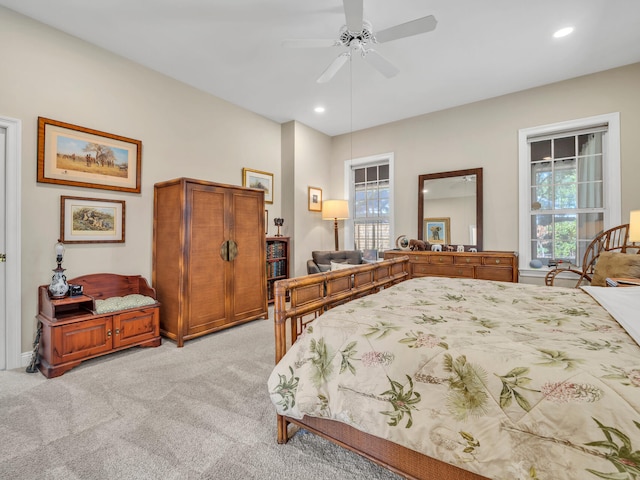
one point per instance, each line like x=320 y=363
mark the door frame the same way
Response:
x=12 y=189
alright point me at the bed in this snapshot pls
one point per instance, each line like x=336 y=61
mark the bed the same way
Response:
x=442 y=378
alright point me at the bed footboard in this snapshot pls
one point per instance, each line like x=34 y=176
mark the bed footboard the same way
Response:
x=299 y=300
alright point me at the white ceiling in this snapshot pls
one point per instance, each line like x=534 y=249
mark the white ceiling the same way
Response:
x=233 y=49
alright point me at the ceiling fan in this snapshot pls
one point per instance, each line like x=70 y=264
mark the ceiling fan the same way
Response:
x=357 y=35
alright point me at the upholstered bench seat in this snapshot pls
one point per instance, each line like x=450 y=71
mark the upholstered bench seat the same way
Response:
x=115 y=304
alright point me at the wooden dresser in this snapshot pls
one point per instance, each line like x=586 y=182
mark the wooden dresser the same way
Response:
x=501 y=266
x=208 y=256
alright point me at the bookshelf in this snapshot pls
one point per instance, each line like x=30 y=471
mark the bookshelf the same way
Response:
x=277 y=262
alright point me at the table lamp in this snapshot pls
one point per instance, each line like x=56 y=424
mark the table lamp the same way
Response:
x=58 y=287
x=335 y=210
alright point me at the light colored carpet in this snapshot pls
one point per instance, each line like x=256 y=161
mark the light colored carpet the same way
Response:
x=198 y=412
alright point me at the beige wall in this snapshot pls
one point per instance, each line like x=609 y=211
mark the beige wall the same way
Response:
x=485 y=134
x=312 y=153
x=184 y=132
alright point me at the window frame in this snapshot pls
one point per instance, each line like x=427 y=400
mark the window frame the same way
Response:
x=611 y=178
x=349 y=192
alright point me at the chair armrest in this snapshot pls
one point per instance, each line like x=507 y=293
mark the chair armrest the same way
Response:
x=312 y=267
x=550 y=277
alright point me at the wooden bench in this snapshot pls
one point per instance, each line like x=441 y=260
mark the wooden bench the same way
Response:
x=114 y=312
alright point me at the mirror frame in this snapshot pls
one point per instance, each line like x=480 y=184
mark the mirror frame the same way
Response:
x=455 y=173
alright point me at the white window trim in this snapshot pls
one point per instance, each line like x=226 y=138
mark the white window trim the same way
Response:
x=611 y=175
x=349 y=193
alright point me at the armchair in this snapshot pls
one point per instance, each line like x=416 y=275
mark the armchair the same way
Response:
x=614 y=240
x=321 y=259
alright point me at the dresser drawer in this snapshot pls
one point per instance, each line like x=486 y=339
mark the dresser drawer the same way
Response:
x=468 y=260
x=425 y=270
x=441 y=259
x=493 y=260
x=494 y=273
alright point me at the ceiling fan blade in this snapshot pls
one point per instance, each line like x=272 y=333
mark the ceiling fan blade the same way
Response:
x=377 y=61
x=408 y=29
x=353 y=12
x=310 y=43
x=333 y=68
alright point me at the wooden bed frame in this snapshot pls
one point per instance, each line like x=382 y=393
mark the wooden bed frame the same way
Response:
x=300 y=300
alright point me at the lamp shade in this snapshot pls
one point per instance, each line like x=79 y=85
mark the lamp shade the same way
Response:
x=335 y=210
x=634 y=226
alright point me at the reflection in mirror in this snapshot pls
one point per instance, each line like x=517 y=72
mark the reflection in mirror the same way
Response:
x=453 y=202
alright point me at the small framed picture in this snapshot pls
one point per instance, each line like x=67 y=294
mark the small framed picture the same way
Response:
x=91 y=220
x=259 y=180
x=315 y=199
x=437 y=230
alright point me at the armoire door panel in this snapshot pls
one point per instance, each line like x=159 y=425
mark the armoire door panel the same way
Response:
x=207 y=284
x=249 y=271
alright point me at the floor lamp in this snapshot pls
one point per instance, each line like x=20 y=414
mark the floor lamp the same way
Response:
x=335 y=210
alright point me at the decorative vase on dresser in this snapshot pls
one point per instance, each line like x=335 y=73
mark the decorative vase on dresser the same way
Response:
x=208 y=256
x=490 y=265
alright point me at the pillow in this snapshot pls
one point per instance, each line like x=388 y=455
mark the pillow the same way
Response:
x=340 y=266
x=114 y=304
x=615 y=264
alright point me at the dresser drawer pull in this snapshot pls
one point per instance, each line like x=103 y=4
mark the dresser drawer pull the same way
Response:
x=440 y=259
x=497 y=260
x=467 y=260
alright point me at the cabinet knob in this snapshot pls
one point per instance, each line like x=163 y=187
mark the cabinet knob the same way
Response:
x=117 y=331
x=440 y=259
x=108 y=333
x=466 y=260
x=497 y=260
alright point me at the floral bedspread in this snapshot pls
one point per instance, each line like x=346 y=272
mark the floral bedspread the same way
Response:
x=507 y=380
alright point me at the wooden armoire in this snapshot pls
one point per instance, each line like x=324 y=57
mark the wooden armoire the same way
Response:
x=208 y=256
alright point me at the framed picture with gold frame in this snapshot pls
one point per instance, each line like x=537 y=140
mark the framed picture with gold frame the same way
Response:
x=259 y=180
x=437 y=230
x=81 y=157
x=91 y=220
x=315 y=199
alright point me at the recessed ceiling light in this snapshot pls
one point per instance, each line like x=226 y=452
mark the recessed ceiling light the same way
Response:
x=563 y=32
x=319 y=109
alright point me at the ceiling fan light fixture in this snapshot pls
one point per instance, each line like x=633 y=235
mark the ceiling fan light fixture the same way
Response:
x=357 y=35
x=563 y=32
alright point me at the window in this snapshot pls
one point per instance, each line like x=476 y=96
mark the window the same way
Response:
x=569 y=187
x=370 y=201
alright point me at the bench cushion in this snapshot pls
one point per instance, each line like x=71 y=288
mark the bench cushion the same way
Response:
x=114 y=304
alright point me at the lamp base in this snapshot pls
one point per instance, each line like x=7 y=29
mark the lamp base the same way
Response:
x=58 y=288
x=335 y=230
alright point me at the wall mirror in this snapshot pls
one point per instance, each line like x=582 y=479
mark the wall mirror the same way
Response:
x=450 y=208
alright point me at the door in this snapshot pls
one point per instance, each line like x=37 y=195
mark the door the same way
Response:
x=249 y=278
x=10 y=311
x=3 y=298
x=134 y=327
x=208 y=291
x=80 y=340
